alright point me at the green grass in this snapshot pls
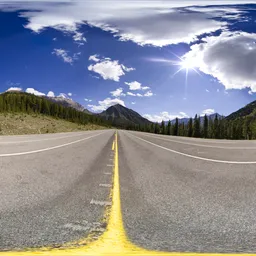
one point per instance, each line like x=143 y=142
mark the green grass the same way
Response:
x=18 y=123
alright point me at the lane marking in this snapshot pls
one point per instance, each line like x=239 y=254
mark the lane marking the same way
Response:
x=113 y=146
x=55 y=138
x=110 y=165
x=107 y=173
x=220 y=141
x=101 y=203
x=195 y=157
x=50 y=148
x=105 y=185
x=114 y=240
x=195 y=144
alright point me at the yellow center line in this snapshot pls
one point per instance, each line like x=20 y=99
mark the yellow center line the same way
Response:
x=114 y=240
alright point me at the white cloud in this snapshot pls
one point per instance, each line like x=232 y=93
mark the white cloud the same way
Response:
x=70 y=94
x=131 y=94
x=88 y=100
x=230 y=58
x=107 y=68
x=218 y=90
x=133 y=103
x=35 y=92
x=144 y=22
x=207 y=112
x=104 y=104
x=79 y=38
x=118 y=92
x=127 y=69
x=63 y=54
x=164 y=116
x=250 y=92
x=136 y=86
x=207 y=90
x=148 y=94
x=12 y=89
x=94 y=57
x=50 y=94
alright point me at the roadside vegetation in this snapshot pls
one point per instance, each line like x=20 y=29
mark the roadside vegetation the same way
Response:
x=21 y=123
x=237 y=128
x=23 y=113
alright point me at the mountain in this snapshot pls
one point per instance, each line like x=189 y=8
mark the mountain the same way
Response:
x=123 y=117
x=185 y=120
x=66 y=102
x=248 y=110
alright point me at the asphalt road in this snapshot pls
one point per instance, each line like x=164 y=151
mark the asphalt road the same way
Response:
x=175 y=198
x=177 y=194
x=46 y=193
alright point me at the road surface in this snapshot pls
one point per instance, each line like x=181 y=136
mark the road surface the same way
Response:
x=177 y=194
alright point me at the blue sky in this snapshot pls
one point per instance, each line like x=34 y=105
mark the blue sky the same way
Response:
x=100 y=53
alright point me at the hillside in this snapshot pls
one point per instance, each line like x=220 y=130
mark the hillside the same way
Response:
x=248 y=110
x=123 y=117
x=19 y=123
x=21 y=102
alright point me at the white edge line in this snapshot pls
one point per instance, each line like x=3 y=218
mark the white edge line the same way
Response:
x=55 y=138
x=195 y=157
x=194 y=144
x=50 y=148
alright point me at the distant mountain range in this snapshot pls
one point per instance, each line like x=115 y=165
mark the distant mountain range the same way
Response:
x=66 y=102
x=123 y=117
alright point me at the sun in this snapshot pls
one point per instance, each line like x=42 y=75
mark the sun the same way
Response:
x=187 y=64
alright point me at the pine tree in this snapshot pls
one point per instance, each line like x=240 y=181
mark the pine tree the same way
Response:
x=205 y=129
x=169 y=127
x=216 y=131
x=190 y=127
x=196 y=128
x=163 y=127
x=157 y=128
x=176 y=127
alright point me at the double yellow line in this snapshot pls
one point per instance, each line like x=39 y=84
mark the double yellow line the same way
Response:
x=114 y=240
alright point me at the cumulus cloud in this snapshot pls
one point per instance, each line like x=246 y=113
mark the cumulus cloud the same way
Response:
x=133 y=103
x=164 y=116
x=143 y=22
x=118 y=92
x=136 y=86
x=70 y=94
x=35 y=92
x=12 y=89
x=88 y=100
x=106 y=103
x=50 y=94
x=107 y=68
x=230 y=58
x=208 y=111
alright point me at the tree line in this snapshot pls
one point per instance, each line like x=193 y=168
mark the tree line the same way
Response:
x=29 y=103
x=213 y=128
